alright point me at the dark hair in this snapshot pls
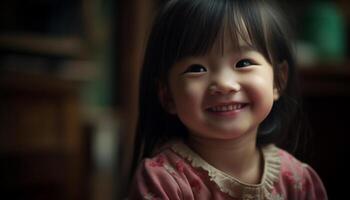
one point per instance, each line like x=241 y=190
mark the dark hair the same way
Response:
x=192 y=27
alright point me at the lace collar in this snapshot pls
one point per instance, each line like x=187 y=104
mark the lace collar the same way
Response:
x=232 y=186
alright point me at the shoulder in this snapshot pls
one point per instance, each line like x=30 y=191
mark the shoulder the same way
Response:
x=299 y=179
x=159 y=177
x=164 y=163
x=292 y=167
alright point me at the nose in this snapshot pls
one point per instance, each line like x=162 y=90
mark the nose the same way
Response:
x=224 y=83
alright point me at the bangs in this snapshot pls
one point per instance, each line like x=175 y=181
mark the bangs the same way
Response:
x=204 y=25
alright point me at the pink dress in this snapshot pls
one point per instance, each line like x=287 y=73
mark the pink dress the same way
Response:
x=177 y=172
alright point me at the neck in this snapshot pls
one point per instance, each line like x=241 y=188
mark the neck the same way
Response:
x=237 y=157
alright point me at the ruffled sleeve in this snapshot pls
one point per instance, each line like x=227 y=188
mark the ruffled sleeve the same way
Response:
x=299 y=180
x=314 y=188
x=153 y=181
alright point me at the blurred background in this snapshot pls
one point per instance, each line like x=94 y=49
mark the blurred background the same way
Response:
x=68 y=93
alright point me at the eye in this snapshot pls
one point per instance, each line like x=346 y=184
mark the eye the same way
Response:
x=195 y=68
x=244 y=63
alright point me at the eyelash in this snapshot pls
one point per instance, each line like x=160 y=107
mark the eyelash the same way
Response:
x=250 y=62
x=197 y=68
x=192 y=69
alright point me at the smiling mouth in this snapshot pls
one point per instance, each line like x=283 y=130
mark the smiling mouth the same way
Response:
x=227 y=108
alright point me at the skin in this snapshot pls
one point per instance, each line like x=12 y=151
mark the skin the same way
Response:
x=222 y=98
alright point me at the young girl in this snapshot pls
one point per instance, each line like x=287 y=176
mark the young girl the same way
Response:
x=217 y=90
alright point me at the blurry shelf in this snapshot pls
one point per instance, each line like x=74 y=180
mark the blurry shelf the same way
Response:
x=70 y=46
x=38 y=83
x=33 y=108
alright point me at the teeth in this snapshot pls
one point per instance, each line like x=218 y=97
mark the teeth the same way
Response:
x=227 y=108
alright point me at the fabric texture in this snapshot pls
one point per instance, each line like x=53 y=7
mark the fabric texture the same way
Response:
x=177 y=172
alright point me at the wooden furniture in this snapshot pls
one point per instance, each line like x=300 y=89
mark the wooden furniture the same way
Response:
x=42 y=150
x=41 y=143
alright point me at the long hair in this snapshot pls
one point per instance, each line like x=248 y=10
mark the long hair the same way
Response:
x=192 y=27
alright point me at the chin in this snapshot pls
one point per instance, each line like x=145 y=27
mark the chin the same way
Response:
x=228 y=135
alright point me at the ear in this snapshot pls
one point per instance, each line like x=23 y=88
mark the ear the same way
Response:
x=166 y=99
x=281 y=79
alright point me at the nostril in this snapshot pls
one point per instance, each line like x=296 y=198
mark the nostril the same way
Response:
x=216 y=89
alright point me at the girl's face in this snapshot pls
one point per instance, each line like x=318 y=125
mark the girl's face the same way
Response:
x=222 y=95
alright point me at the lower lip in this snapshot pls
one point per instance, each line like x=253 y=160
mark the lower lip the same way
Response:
x=231 y=113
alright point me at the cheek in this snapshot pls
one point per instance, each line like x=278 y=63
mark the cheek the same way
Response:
x=263 y=81
x=261 y=93
x=187 y=94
